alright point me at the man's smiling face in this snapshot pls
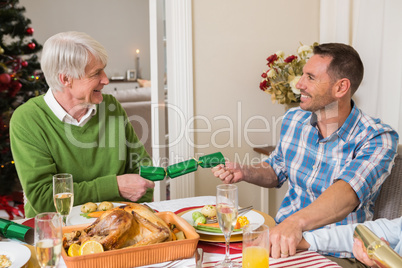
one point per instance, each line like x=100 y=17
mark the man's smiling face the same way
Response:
x=316 y=85
x=87 y=89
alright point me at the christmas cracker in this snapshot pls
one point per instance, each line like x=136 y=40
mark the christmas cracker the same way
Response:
x=378 y=251
x=181 y=168
x=21 y=232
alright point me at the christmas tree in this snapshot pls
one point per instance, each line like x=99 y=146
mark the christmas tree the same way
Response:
x=20 y=80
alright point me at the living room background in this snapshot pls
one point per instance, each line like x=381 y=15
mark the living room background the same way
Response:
x=121 y=26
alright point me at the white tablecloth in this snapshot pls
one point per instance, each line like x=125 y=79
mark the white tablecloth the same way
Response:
x=175 y=205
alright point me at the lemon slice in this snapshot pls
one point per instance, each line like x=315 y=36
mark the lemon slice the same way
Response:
x=74 y=250
x=90 y=247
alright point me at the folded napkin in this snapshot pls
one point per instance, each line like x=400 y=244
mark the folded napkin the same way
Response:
x=220 y=248
x=30 y=222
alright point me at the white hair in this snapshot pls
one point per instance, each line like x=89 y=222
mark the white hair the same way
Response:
x=68 y=53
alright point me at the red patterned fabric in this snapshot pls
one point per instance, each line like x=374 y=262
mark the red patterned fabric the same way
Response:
x=18 y=210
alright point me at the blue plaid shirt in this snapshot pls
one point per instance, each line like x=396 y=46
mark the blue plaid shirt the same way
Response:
x=361 y=152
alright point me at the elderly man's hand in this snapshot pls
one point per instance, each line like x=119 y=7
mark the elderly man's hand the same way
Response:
x=133 y=186
x=284 y=238
x=228 y=173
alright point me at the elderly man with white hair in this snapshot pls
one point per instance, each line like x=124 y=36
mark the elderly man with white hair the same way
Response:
x=76 y=129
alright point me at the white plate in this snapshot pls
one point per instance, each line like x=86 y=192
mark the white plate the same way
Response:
x=75 y=218
x=17 y=253
x=252 y=216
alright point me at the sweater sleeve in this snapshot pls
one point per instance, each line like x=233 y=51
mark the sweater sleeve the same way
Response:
x=340 y=238
x=33 y=161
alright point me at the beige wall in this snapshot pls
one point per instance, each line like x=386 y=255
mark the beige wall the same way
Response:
x=121 y=26
x=232 y=39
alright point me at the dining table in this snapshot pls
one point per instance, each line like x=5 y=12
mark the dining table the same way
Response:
x=213 y=247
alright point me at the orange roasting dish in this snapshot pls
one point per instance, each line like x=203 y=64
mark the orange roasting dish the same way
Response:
x=126 y=226
x=133 y=256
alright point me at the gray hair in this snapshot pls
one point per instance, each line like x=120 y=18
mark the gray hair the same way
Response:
x=69 y=53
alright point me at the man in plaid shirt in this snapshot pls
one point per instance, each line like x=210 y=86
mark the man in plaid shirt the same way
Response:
x=334 y=156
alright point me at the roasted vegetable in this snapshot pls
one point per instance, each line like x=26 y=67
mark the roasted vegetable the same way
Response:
x=209 y=211
x=89 y=207
x=241 y=222
x=180 y=235
x=200 y=219
x=196 y=215
x=105 y=206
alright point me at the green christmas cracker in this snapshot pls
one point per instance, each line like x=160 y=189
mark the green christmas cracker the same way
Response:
x=18 y=231
x=181 y=168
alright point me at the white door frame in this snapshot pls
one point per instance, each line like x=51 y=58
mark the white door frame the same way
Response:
x=179 y=57
x=157 y=91
x=179 y=47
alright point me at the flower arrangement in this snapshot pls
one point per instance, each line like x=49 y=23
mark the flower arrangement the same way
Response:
x=283 y=74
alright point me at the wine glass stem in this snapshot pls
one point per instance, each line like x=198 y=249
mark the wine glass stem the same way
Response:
x=64 y=220
x=227 y=251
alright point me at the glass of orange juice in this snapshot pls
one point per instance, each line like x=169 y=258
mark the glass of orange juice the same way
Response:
x=255 y=246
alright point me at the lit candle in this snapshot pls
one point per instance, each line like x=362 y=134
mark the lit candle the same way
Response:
x=137 y=63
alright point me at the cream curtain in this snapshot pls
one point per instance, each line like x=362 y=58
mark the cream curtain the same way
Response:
x=374 y=28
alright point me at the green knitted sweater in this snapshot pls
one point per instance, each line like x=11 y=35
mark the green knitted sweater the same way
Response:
x=94 y=154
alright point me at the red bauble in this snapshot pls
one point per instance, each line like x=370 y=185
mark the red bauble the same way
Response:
x=31 y=46
x=16 y=86
x=5 y=78
x=30 y=31
x=3 y=87
x=24 y=63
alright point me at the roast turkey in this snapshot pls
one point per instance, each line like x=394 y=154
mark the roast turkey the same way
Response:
x=125 y=226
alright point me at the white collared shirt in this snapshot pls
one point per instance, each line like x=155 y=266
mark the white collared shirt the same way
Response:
x=63 y=115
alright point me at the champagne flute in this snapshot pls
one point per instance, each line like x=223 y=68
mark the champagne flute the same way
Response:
x=226 y=210
x=63 y=194
x=48 y=238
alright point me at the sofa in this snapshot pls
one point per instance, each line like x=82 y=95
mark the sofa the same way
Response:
x=137 y=104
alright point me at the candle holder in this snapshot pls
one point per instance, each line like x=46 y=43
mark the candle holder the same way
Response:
x=131 y=75
x=137 y=63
